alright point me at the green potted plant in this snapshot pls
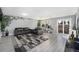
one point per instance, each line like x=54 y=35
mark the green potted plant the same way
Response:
x=4 y=23
x=2 y=28
x=39 y=23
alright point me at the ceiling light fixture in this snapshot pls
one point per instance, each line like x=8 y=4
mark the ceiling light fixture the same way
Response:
x=24 y=14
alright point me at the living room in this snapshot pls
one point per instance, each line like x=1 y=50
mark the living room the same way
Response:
x=37 y=29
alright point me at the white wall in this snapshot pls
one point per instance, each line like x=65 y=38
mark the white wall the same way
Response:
x=33 y=23
x=53 y=22
x=21 y=23
x=36 y=13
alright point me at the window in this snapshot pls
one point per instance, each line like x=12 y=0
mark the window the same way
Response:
x=60 y=26
x=63 y=26
x=66 y=27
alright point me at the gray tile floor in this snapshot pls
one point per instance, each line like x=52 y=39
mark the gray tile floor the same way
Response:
x=6 y=44
x=55 y=44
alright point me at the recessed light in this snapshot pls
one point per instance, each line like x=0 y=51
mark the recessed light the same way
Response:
x=24 y=14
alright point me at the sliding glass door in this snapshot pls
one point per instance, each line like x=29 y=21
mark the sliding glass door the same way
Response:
x=66 y=27
x=63 y=26
x=60 y=26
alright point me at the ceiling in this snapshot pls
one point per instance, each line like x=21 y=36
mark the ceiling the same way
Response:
x=39 y=12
